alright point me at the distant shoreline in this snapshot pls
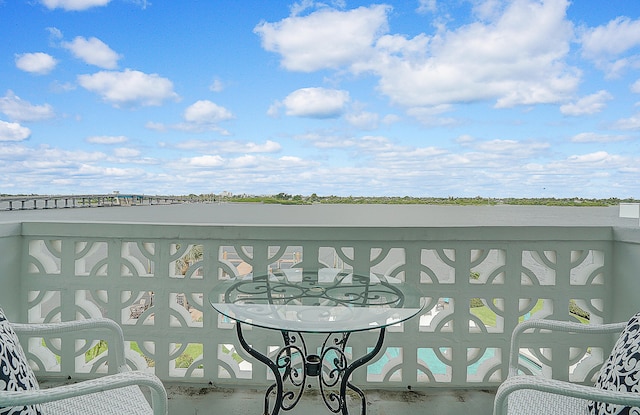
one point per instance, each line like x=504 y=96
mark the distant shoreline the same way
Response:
x=288 y=199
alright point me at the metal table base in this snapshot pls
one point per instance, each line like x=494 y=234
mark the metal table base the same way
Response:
x=294 y=363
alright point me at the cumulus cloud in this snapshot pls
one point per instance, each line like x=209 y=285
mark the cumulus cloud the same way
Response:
x=595 y=158
x=76 y=5
x=20 y=110
x=206 y=161
x=129 y=87
x=316 y=103
x=12 y=131
x=230 y=146
x=432 y=116
x=515 y=148
x=93 y=51
x=507 y=57
x=631 y=123
x=201 y=116
x=598 y=138
x=206 y=112
x=257 y=167
x=617 y=36
x=364 y=120
x=426 y=6
x=635 y=87
x=107 y=139
x=324 y=39
x=588 y=105
x=38 y=63
x=126 y=152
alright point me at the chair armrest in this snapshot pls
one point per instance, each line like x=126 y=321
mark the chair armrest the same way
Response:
x=558 y=387
x=119 y=380
x=114 y=331
x=555 y=325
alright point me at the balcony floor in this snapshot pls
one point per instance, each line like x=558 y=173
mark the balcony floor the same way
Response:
x=200 y=401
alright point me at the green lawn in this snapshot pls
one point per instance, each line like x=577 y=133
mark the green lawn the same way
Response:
x=488 y=317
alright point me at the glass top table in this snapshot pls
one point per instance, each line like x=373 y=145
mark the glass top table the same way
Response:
x=323 y=301
x=328 y=301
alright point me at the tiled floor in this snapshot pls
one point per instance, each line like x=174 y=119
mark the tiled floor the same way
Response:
x=201 y=401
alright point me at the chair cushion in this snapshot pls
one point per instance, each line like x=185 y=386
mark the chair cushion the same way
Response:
x=621 y=371
x=15 y=373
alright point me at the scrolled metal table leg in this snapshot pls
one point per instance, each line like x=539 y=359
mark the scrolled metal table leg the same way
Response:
x=341 y=371
x=290 y=366
x=353 y=366
x=274 y=368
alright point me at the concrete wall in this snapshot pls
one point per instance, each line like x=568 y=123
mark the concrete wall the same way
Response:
x=10 y=260
x=626 y=269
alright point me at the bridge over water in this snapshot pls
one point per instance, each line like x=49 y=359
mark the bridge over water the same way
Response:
x=29 y=202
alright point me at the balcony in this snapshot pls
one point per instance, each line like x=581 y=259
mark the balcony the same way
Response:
x=481 y=269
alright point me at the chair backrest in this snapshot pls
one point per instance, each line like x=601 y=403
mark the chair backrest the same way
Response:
x=621 y=371
x=15 y=372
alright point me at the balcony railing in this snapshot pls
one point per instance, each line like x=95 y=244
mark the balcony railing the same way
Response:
x=478 y=282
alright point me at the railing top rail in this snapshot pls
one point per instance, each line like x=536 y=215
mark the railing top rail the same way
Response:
x=317 y=233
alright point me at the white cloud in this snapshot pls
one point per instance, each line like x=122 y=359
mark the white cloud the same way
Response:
x=598 y=138
x=507 y=58
x=612 y=39
x=93 y=51
x=605 y=45
x=316 y=103
x=514 y=148
x=431 y=116
x=206 y=112
x=426 y=6
x=216 y=86
x=55 y=34
x=19 y=110
x=74 y=4
x=12 y=131
x=326 y=38
x=595 y=158
x=38 y=63
x=588 y=105
x=129 y=88
x=631 y=123
x=268 y=146
x=364 y=120
x=206 y=161
x=126 y=152
x=107 y=139
x=60 y=87
x=201 y=116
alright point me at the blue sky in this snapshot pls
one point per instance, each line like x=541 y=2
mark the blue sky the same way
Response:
x=492 y=98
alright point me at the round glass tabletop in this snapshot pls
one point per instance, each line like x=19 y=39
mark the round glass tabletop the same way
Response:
x=319 y=301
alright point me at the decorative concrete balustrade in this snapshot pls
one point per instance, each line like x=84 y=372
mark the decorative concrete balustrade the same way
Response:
x=154 y=281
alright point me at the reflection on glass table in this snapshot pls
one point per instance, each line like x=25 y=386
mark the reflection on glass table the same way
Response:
x=330 y=301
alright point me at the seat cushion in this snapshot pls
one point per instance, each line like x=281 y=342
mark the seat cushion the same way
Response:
x=129 y=400
x=621 y=371
x=15 y=373
x=533 y=402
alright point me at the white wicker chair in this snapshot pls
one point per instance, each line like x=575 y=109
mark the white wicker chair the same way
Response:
x=535 y=395
x=111 y=394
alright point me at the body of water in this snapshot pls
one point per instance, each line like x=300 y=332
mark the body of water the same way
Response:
x=335 y=215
